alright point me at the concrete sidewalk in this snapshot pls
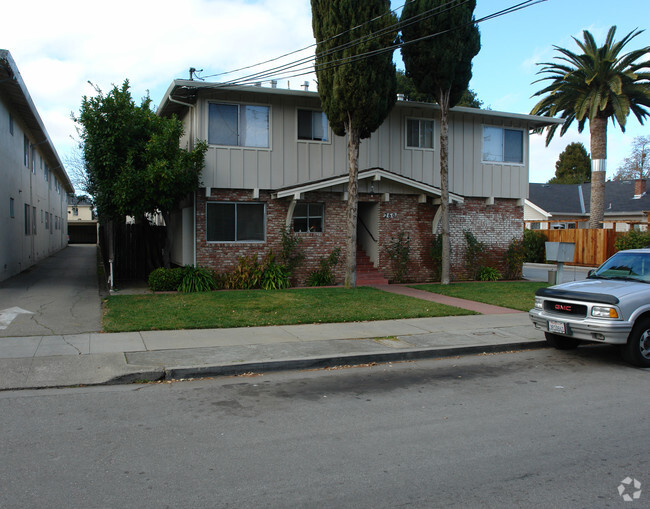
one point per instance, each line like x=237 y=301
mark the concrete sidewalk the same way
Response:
x=95 y=358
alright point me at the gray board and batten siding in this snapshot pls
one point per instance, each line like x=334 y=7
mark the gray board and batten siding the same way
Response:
x=288 y=161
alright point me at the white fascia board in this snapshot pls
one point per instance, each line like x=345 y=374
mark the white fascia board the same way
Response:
x=537 y=209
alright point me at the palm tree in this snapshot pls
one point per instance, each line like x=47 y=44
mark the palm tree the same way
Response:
x=596 y=85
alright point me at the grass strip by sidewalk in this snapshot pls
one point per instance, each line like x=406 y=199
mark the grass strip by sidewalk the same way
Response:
x=251 y=308
x=508 y=294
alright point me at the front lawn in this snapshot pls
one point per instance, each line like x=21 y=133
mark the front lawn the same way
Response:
x=250 y=308
x=508 y=294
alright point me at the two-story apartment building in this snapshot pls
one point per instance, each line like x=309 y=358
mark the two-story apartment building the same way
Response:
x=273 y=162
x=33 y=195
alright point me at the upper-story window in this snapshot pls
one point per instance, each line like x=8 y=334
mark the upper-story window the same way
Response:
x=312 y=125
x=503 y=145
x=238 y=125
x=26 y=150
x=419 y=133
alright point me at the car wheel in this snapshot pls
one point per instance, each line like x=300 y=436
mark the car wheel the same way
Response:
x=561 y=342
x=637 y=349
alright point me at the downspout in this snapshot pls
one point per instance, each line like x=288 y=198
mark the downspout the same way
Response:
x=193 y=130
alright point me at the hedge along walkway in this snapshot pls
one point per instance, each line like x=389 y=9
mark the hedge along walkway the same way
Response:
x=478 y=307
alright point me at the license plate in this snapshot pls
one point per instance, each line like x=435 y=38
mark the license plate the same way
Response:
x=557 y=327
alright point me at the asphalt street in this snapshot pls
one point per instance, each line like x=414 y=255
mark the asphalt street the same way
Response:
x=534 y=429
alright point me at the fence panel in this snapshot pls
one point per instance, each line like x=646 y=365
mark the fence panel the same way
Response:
x=593 y=247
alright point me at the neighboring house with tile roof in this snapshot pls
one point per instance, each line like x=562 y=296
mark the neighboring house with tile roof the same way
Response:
x=559 y=206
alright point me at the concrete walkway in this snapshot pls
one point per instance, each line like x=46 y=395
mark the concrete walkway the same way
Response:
x=56 y=344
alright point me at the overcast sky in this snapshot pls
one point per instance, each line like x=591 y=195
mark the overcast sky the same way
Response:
x=60 y=46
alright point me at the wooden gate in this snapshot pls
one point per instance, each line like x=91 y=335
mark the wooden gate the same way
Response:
x=593 y=247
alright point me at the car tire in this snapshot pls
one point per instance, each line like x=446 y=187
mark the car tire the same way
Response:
x=637 y=349
x=561 y=342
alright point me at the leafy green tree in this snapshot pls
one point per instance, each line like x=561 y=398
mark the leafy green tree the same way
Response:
x=596 y=85
x=134 y=163
x=573 y=166
x=441 y=66
x=637 y=166
x=406 y=87
x=356 y=83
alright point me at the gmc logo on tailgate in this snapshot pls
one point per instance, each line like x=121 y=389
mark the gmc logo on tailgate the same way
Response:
x=563 y=307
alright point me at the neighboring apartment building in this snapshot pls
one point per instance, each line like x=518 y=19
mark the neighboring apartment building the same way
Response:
x=273 y=162
x=33 y=195
x=566 y=206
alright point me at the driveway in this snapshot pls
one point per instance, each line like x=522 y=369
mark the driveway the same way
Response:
x=59 y=295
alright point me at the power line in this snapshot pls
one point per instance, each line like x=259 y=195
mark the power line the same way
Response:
x=294 y=67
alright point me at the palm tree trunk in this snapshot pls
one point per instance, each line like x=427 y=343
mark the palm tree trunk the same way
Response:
x=352 y=209
x=443 y=101
x=598 y=131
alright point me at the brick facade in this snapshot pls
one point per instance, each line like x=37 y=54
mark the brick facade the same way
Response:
x=495 y=225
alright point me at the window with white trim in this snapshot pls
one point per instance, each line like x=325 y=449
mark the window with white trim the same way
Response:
x=238 y=125
x=503 y=145
x=312 y=125
x=308 y=217
x=235 y=222
x=419 y=133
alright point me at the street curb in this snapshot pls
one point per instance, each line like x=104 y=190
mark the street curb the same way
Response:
x=328 y=361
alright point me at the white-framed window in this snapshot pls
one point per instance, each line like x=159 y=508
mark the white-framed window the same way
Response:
x=235 y=222
x=239 y=125
x=75 y=211
x=26 y=151
x=312 y=125
x=419 y=133
x=308 y=217
x=28 y=220
x=502 y=145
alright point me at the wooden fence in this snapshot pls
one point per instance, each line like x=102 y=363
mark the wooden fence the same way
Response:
x=593 y=247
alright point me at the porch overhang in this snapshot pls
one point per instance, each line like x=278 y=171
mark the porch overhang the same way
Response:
x=375 y=174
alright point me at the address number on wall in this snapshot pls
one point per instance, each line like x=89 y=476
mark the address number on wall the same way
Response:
x=390 y=215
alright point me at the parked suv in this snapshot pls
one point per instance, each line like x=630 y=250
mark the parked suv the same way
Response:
x=611 y=306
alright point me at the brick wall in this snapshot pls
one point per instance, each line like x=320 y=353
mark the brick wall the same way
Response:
x=495 y=225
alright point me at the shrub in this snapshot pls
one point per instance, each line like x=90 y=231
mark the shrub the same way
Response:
x=196 y=279
x=473 y=254
x=165 y=280
x=534 y=246
x=275 y=276
x=436 y=257
x=488 y=274
x=515 y=256
x=324 y=276
x=399 y=251
x=247 y=275
x=291 y=255
x=632 y=240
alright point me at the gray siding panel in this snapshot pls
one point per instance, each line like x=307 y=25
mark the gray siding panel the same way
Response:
x=290 y=162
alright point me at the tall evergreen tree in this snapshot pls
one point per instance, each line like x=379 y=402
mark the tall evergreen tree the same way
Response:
x=442 y=67
x=596 y=85
x=573 y=166
x=356 y=83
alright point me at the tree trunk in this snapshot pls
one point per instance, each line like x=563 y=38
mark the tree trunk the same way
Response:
x=598 y=130
x=351 y=216
x=443 y=102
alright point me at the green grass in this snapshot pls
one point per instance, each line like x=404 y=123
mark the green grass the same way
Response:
x=250 y=308
x=509 y=294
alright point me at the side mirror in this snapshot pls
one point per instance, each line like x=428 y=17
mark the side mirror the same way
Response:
x=591 y=272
